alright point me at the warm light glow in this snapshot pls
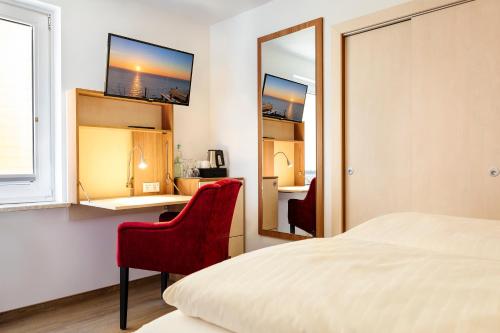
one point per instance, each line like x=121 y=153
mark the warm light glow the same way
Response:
x=142 y=164
x=137 y=68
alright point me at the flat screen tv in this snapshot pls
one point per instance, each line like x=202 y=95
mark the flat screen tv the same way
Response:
x=283 y=99
x=147 y=71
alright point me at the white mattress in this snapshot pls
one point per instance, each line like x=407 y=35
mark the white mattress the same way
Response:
x=398 y=273
x=176 y=322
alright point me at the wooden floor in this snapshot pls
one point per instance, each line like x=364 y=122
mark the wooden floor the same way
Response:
x=97 y=313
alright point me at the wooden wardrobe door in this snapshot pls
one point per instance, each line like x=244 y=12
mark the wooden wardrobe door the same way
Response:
x=456 y=110
x=377 y=123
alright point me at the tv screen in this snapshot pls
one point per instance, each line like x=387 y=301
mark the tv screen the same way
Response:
x=282 y=98
x=146 y=71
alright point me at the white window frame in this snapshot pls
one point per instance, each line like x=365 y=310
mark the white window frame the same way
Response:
x=48 y=130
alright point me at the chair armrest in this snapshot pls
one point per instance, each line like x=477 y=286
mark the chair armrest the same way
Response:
x=298 y=210
x=156 y=246
x=296 y=204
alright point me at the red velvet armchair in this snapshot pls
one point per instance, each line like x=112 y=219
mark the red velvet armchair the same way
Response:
x=196 y=238
x=302 y=213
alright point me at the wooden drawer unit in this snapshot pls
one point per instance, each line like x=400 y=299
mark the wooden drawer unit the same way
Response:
x=189 y=186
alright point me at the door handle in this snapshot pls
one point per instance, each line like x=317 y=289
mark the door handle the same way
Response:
x=350 y=171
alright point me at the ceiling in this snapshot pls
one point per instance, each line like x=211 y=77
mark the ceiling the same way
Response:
x=300 y=43
x=207 y=11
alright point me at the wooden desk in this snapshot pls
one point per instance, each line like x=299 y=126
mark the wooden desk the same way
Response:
x=293 y=189
x=138 y=202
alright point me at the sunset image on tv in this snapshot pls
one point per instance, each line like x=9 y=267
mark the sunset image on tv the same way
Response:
x=146 y=71
x=283 y=99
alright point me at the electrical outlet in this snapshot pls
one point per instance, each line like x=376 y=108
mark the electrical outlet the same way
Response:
x=150 y=187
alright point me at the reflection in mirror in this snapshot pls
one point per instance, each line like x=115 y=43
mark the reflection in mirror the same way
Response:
x=288 y=111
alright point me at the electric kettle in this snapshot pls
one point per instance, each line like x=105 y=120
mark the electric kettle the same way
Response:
x=216 y=158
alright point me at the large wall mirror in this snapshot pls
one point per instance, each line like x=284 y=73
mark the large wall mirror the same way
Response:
x=290 y=90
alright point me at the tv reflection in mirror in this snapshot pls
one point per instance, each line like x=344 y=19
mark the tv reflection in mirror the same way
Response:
x=147 y=71
x=283 y=99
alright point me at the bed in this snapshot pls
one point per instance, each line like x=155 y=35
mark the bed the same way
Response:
x=178 y=322
x=405 y=272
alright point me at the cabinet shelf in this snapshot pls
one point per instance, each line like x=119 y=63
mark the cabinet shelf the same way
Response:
x=287 y=137
x=281 y=140
x=132 y=129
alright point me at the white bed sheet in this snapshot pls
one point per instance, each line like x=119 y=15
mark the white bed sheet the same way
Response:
x=398 y=273
x=177 y=322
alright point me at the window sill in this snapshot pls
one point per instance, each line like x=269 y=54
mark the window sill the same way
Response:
x=32 y=206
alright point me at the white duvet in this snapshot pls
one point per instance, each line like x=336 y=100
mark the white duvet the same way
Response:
x=398 y=273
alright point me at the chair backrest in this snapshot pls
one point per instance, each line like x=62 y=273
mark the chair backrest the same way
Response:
x=311 y=193
x=207 y=219
x=219 y=225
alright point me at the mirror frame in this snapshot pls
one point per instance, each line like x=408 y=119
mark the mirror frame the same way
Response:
x=318 y=25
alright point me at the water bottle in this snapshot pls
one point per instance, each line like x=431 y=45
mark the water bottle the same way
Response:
x=178 y=162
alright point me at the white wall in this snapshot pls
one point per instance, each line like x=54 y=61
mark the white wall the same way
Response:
x=233 y=84
x=285 y=64
x=48 y=254
x=85 y=28
x=52 y=253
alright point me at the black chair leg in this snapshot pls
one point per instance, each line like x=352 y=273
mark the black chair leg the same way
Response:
x=164 y=282
x=123 y=297
x=292 y=229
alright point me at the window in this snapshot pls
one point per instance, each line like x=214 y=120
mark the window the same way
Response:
x=26 y=116
x=16 y=109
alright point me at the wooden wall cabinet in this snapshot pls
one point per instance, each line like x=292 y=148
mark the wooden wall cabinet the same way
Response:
x=287 y=137
x=189 y=186
x=111 y=134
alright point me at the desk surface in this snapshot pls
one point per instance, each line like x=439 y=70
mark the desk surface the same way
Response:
x=138 y=202
x=293 y=189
